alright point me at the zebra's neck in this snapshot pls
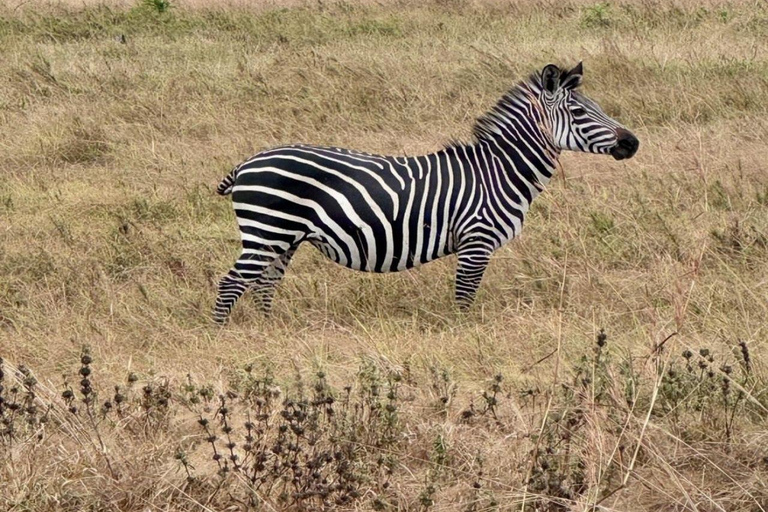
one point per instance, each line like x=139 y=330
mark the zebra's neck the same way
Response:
x=515 y=144
x=517 y=131
x=513 y=156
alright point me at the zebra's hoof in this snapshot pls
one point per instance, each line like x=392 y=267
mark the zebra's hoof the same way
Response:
x=219 y=320
x=463 y=307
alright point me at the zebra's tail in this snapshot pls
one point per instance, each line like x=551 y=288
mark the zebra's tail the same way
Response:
x=226 y=185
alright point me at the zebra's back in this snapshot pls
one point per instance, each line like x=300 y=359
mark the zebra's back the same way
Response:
x=367 y=212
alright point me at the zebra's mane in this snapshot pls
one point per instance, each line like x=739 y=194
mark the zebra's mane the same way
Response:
x=488 y=124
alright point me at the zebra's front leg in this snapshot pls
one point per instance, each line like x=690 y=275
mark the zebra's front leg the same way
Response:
x=472 y=263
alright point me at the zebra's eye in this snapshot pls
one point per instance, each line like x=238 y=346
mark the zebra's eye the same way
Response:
x=578 y=111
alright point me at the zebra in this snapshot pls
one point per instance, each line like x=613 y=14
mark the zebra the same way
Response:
x=389 y=213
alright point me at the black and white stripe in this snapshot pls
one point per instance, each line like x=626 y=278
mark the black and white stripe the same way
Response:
x=386 y=214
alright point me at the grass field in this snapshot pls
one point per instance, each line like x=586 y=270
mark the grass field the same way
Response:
x=118 y=120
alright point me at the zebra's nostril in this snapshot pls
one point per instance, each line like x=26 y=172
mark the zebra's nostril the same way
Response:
x=630 y=143
x=626 y=145
x=627 y=140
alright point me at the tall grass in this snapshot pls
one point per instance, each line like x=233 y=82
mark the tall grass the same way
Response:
x=116 y=123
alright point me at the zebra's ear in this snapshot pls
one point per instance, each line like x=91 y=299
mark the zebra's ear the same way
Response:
x=550 y=78
x=573 y=78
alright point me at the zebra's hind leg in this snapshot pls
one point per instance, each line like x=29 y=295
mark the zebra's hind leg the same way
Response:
x=231 y=287
x=248 y=269
x=264 y=287
x=469 y=273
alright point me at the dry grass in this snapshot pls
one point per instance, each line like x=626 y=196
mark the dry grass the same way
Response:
x=111 y=237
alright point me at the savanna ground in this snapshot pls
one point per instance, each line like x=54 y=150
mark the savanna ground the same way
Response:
x=369 y=391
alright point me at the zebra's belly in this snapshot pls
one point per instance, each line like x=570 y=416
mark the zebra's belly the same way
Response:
x=397 y=263
x=364 y=220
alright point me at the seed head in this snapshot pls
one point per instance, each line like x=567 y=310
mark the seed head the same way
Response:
x=602 y=338
x=745 y=355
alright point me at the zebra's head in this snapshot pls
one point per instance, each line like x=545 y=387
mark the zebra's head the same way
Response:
x=578 y=123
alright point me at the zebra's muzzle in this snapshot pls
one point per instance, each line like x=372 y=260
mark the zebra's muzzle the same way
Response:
x=626 y=145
